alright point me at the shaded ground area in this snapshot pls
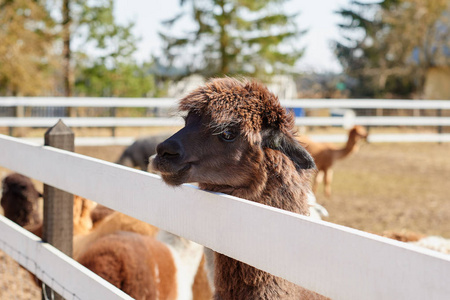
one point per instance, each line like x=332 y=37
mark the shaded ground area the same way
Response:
x=383 y=187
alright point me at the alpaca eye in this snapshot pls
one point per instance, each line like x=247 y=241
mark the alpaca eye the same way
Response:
x=228 y=135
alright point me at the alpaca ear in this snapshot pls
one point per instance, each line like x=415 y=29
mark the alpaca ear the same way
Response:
x=290 y=147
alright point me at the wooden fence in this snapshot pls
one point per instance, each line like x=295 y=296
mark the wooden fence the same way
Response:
x=336 y=261
x=436 y=119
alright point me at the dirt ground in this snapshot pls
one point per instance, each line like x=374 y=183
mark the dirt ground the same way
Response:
x=385 y=186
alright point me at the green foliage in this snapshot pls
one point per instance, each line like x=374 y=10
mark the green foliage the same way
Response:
x=31 y=36
x=239 y=37
x=124 y=80
x=112 y=72
x=112 y=40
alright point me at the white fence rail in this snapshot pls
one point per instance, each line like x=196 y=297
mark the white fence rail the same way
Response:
x=345 y=121
x=335 y=261
x=333 y=138
x=171 y=102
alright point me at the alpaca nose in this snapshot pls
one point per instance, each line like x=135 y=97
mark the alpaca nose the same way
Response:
x=169 y=149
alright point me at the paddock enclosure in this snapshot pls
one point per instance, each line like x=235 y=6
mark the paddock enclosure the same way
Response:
x=384 y=186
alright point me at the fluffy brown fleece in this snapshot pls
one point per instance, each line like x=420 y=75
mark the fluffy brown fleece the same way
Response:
x=20 y=200
x=131 y=261
x=116 y=221
x=239 y=140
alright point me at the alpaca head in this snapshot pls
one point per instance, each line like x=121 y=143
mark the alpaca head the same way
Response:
x=19 y=199
x=358 y=133
x=228 y=126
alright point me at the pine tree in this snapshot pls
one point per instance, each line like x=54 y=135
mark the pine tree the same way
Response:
x=363 y=48
x=390 y=45
x=244 y=37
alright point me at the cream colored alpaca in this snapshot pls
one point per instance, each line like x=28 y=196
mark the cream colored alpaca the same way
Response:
x=82 y=221
x=325 y=155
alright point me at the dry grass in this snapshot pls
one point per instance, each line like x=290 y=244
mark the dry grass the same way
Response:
x=393 y=187
x=383 y=187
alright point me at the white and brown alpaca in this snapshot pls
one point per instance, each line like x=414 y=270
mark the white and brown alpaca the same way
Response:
x=325 y=155
x=125 y=252
x=239 y=140
x=432 y=242
x=145 y=267
x=116 y=221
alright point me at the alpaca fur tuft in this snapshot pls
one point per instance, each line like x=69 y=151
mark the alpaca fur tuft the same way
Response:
x=232 y=103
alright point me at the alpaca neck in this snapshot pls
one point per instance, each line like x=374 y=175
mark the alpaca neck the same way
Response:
x=278 y=184
x=350 y=146
x=237 y=280
x=187 y=256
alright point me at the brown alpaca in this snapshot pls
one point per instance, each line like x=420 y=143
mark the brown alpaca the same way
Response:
x=20 y=200
x=239 y=140
x=325 y=155
x=20 y=205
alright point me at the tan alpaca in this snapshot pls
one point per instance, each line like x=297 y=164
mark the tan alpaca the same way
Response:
x=325 y=155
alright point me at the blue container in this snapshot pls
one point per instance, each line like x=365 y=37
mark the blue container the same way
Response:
x=298 y=111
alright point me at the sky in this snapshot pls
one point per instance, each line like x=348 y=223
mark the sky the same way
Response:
x=315 y=16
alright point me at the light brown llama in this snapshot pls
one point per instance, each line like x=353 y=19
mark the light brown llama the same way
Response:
x=239 y=140
x=325 y=155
